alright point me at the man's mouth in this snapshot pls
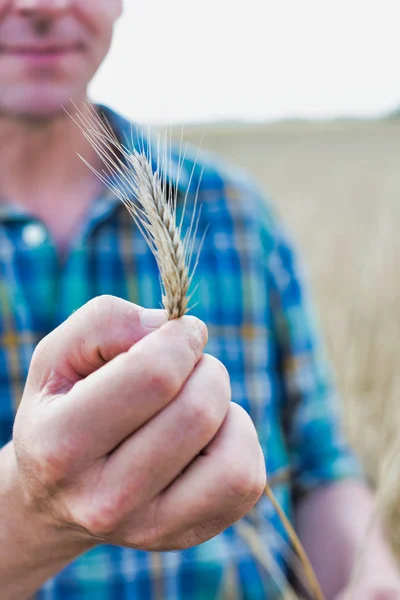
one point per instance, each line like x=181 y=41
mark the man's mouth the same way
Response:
x=40 y=52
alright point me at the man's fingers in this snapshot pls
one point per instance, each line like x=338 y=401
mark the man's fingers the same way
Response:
x=150 y=460
x=104 y=409
x=92 y=336
x=218 y=488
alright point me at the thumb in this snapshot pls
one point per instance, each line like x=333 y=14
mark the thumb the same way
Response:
x=89 y=338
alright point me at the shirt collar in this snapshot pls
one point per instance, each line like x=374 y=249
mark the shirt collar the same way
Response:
x=12 y=212
x=177 y=176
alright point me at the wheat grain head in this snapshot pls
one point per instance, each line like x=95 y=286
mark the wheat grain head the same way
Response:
x=129 y=173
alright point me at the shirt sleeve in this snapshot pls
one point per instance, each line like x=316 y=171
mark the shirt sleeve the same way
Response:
x=311 y=408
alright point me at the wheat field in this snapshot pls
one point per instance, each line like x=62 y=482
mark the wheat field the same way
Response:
x=337 y=186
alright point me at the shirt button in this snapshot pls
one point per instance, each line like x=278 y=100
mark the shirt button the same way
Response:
x=34 y=235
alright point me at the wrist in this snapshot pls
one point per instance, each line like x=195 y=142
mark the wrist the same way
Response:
x=32 y=547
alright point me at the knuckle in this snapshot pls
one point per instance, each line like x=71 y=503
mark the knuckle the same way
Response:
x=258 y=481
x=207 y=402
x=103 y=519
x=201 y=415
x=46 y=465
x=102 y=309
x=52 y=458
x=107 y=310
x=216 y=383
x=99 y=524
x=204 y=416
x=40 y=351
x=246 y=480
x=217 y=374
x=246 y=474
x=109 y=323
x=40 y=358
x=163 y=379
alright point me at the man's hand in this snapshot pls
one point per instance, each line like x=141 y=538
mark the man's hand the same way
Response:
x=378 y=589
x=332 y=523
x=131 y=439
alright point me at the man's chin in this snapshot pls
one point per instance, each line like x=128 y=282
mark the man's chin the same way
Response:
x=39 y=110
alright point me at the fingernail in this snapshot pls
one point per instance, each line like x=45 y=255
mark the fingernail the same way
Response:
x=203 y=331
x=200 y=326
x=153 y=318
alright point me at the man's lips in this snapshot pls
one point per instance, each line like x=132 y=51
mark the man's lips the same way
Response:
x=34 y=51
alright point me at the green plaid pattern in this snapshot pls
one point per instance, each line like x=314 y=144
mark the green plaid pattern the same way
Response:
x=251 y=292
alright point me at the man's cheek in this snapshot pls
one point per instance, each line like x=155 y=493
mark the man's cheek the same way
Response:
x=101 y=13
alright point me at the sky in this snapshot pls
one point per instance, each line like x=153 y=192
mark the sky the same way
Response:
x=179 y=61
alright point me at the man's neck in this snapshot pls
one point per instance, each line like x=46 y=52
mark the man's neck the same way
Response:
x=40 y=171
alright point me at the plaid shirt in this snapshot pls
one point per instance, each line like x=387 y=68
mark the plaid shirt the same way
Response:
x=251 y=293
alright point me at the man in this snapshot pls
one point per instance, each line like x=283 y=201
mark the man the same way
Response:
x=125 y=442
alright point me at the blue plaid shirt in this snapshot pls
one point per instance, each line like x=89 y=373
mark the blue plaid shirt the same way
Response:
x=252 y=295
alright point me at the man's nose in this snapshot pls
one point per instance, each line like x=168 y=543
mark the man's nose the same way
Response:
x=41 y=7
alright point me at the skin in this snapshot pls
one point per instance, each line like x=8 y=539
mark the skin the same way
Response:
x=171 y=465
x=174 y=462
x=38 y=141
x=35 y=89
x=332 y=523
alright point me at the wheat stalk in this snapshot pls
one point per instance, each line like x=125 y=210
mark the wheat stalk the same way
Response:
x=154 y=211
x=297 y=545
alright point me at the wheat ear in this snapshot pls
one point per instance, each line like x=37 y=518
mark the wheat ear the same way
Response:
x=157 y=221
x=154 y=211
x=152 y=204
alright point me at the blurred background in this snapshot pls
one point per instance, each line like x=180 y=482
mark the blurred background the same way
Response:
x=305 y=96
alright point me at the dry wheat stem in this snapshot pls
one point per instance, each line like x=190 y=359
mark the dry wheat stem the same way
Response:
x=129 y=175
x=308 y=570
x=248 y=532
